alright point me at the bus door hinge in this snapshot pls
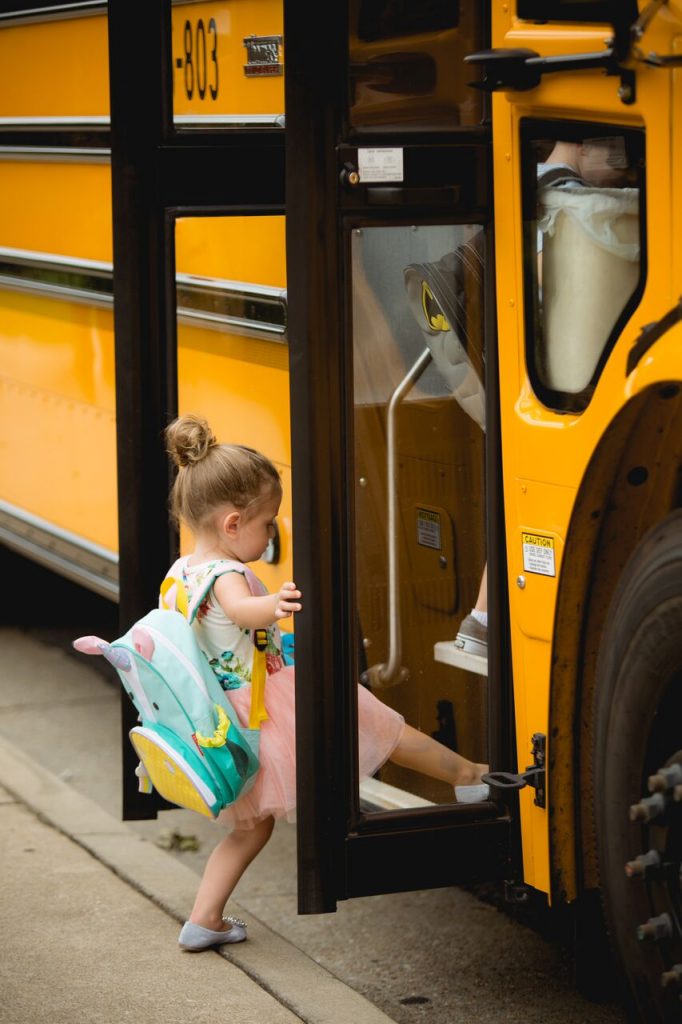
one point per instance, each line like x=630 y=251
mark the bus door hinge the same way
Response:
x=534 y=775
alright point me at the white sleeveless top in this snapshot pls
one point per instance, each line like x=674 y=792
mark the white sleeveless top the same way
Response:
x=227 y=646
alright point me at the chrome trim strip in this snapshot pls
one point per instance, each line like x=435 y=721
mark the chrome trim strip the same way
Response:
x=88 y=564
x=71 y=121
x=54 y=154
x=97 y=122
x=232 y=306
x=82 y=138
x=52 y=291
x=250 y=310
x=198 y=121
x=59 y=277
x=54 y=12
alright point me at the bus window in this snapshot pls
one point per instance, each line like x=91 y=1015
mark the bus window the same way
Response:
x=419 y=534
x=232 y=327
x=228 y=65
x=583 y=242
x=406 y=65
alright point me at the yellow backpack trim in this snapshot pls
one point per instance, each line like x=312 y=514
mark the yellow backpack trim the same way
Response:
x=219 y=737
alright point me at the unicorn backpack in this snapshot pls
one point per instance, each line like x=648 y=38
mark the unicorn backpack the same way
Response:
x=190 y=742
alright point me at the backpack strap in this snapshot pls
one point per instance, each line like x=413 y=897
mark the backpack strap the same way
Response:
x=220 y=569
x=173 y=595
x=259 y=637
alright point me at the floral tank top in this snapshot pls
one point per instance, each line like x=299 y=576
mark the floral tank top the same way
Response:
x=227 y=646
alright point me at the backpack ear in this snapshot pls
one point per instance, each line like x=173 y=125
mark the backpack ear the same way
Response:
x=88 y=644
x=143 y=642
x=95 y=645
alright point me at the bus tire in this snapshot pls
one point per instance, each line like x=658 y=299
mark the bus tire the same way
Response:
x=638 y=731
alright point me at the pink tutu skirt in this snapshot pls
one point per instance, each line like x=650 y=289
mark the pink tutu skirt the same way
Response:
x=273 y=792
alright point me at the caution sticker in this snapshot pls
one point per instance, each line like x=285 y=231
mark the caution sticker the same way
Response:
x=428 y=529
x=538 y=554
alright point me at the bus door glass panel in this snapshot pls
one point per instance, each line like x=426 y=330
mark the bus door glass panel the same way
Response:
x=583 y=196
x=233 y=358
x=419 y=523
x=228 y=64
x=406 y=64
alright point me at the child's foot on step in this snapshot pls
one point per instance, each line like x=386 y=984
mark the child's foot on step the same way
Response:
x=469 y=789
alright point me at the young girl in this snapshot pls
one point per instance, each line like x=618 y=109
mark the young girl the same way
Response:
x=229 y=496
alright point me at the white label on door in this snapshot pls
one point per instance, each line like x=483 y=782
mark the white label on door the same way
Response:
x=380 y=165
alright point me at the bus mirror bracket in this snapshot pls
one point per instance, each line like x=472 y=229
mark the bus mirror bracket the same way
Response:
x=521 y=69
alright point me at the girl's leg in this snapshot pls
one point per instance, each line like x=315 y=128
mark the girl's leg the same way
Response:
x=224 y=868
x=423 y=754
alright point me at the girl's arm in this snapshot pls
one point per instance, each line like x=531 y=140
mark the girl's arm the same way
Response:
x=250 y=612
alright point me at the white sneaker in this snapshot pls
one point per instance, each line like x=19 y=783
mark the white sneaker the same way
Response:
x=477 y=794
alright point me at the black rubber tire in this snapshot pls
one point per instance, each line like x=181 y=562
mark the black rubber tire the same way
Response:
x=637 y=730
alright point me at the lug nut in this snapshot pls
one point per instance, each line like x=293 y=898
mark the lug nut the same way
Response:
x=665 y=779
x=656 y=928
x=648 y=808
x=672 y=977
x=643 y=866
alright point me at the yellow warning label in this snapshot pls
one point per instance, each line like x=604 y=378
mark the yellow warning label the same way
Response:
x=538 y=554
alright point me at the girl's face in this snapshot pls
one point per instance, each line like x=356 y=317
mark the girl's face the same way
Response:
x=254 y=533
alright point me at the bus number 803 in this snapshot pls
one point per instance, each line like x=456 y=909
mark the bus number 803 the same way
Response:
x=200 y=59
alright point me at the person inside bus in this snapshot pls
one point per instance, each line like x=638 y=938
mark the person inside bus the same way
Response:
x=452 y=290
x=229 y=497
x=446 y=298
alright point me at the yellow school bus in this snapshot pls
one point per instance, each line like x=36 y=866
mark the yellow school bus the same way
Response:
x=58 y=409
x=473 y=376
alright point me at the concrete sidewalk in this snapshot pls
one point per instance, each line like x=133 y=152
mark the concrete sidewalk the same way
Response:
x=90 y=914
x=441 y=955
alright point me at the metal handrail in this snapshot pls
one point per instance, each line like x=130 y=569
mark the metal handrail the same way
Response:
x=391 y=672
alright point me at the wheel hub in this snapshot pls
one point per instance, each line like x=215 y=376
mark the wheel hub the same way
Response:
x=659 y=868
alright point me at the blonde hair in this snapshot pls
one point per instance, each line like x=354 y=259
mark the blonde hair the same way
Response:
x=211 y=475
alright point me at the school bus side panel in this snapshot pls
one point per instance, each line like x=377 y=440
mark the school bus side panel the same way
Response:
x=546 y=454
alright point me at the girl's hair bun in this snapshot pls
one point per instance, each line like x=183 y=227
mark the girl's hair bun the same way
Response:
x=189 y=440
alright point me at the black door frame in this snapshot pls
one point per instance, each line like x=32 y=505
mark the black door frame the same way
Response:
x=340 y=853
x=158 y=173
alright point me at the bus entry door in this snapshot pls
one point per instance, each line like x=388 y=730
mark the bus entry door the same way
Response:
x=393 y=394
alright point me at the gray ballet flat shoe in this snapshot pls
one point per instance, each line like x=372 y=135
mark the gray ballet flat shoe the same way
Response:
x=194 y=938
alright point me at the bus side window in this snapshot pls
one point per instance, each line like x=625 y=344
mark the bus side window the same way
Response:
x=583 y=198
